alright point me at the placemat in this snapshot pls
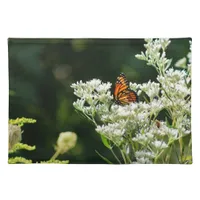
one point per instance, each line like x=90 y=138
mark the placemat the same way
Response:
x=100 y=101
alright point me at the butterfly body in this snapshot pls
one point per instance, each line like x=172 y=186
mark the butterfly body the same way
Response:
x=122 y=93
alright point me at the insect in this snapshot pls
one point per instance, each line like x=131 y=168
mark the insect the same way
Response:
x=158 y=124
x=122 y=93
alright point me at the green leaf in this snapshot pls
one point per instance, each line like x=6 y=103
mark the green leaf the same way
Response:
x=105 y=142
x=187 y=159
x=104 y=158
x=168 y=64
x=181 y=63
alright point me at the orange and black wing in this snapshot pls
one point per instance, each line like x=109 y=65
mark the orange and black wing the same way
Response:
x=126 y=96
x=122 y=93
x=120 y=85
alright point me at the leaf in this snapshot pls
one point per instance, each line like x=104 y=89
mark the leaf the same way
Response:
x=181 y=63
x=104 y=158
x=105 y=142
x=168 y=64
x=187 y=159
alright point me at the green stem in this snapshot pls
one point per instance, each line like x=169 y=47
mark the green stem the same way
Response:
x=167 y=95
x=156 y=158
x=168 y=156
x=123 y=156
x=115 y=156
x=181 y=148
x=56 y=154
x=128 y=158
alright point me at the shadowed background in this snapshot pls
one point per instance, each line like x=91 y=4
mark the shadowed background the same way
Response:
x=41 y=72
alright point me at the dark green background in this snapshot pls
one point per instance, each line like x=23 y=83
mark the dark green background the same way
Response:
x=41 y=72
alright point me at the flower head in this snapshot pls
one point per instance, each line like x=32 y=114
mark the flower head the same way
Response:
x=15 y=133
x=134 y=128
x=66 y=141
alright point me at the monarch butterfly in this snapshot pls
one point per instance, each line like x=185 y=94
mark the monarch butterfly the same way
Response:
x=122 y=93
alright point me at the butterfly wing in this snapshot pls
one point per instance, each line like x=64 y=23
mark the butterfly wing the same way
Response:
x=122 y=93
x=127 y=96
x=120 y=85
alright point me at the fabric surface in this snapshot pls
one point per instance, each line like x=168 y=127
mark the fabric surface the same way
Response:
x=100 y=101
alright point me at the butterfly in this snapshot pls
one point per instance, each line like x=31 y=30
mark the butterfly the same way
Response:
x=122 y=93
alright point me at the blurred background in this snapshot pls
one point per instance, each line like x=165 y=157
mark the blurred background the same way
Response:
x=41 y=72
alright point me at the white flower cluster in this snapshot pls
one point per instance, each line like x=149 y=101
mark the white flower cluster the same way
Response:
x=155 y=54
x=175 y=92
x=93 y=91
x=136 y=124
x=94 y=95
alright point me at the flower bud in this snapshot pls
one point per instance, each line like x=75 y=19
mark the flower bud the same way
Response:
x=14 y=135
x=66 y=141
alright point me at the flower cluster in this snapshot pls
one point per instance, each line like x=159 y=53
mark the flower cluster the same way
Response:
x=136 y=129
x=66 y=141
x=155 y=54
x=15 y=133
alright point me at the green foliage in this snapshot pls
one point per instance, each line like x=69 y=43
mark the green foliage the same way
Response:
x=16 y=160
x=52 y=161
x=21 y=121
x=20 y=146
x=105 y=142
x=104 y=158
x=66 y=141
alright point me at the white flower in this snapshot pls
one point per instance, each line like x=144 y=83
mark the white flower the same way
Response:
x=159 y=144
x=173 y=133
x=79 y=104
x=93 y=91
x=143 y=161
x=114 y=129
x=140 y=138
x=164 y=42
x=190 y=53
x=144 y=154
x=175 y=75
x=184 y=125
x=89 y=110
x=150 y=135
x=151 y=89
x=66 y=141
x=156 y=106
x=163 y=130
x=134 y=86
x=94 y=83
x=103 y=88
x=153 y=54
